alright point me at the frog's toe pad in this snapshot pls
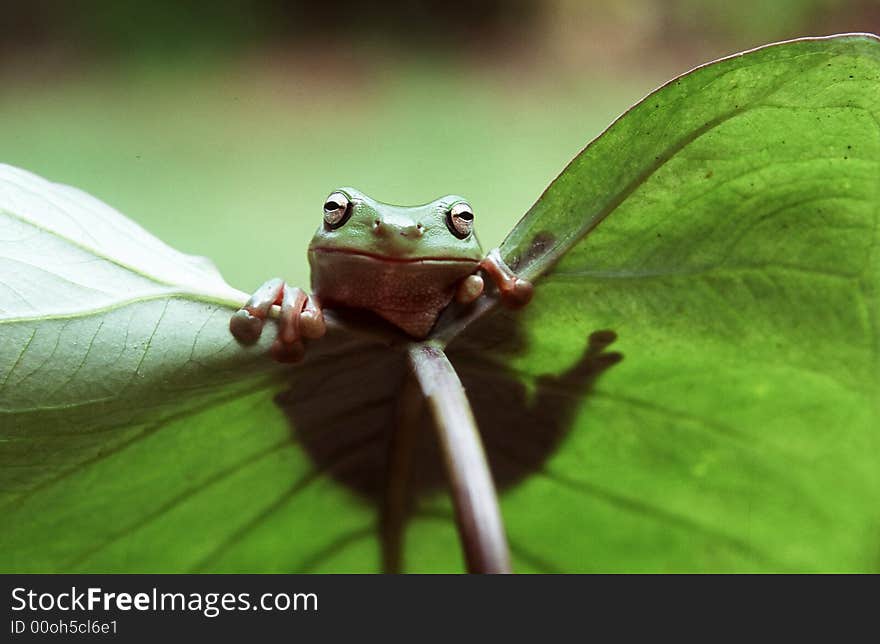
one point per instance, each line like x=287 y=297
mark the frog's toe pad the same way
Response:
x=518 y=294
x=311 y=324
x=245 y=327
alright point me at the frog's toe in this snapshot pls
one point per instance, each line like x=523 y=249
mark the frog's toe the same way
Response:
x=292 y=303
x=245 y=327
x=300 y=317
x=246 y=324
x=518 y=294
x=311 y=320
x=469 y=289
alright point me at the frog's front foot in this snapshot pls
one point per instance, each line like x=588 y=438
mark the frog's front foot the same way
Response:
x=515 y=291
x=300 y=318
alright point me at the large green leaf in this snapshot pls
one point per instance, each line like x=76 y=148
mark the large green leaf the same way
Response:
x=733 y=218
x=124 y=401
x=734 y=250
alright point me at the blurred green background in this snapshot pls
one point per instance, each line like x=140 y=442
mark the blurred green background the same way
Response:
x=221 y=130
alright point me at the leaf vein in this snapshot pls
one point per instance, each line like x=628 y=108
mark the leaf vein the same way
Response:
x=18 y=359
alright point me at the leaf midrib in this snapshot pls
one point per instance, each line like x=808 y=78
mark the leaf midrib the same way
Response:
x=179 y=294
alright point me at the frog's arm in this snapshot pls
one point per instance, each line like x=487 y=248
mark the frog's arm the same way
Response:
x=301 y=317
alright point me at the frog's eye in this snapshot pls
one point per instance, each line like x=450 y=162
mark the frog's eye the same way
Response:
x=460 y=220
x=337 y=209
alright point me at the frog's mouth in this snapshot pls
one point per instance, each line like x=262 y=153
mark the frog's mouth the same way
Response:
x=389 y=259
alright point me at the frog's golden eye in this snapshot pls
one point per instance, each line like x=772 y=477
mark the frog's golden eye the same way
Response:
x=337 y=209
x=460 y=220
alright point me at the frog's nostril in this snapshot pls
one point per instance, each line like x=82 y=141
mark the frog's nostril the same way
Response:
x=412 y=231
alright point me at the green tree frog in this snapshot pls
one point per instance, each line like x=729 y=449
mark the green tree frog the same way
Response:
x=405 y=264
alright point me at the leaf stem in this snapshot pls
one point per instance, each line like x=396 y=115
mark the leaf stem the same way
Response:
x=473 y=492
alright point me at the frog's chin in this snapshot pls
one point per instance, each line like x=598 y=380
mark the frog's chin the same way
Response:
x=390 y=259
x=408 y=292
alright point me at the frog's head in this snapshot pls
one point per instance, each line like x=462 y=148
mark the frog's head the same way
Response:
x=403 y=264
x=355 y=223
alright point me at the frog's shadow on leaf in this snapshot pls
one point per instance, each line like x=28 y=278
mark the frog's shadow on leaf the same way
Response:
x=343 y=410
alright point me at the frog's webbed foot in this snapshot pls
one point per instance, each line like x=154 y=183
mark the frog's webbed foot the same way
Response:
x=300 y=318
x=515 y=291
